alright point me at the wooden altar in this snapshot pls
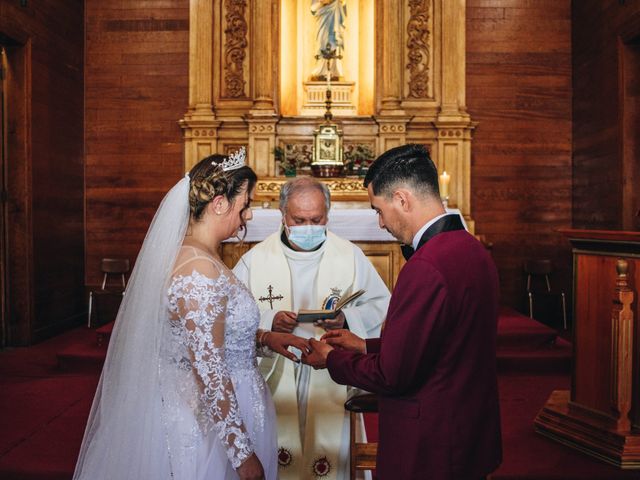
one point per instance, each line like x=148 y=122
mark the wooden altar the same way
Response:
x=601 y=414
x=404 y=62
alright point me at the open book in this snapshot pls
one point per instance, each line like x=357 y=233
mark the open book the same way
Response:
x=307 y=316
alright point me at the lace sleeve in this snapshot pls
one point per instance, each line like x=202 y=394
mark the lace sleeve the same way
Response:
x=199 y=301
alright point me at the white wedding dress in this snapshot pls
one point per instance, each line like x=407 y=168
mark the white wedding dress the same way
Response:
x=180 y=396
x=221 y=410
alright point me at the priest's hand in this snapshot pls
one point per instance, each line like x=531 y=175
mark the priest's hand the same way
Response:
x=332 y=324
x=346 y=340
x=318 y=356
x=284 y=321
x=280 y=342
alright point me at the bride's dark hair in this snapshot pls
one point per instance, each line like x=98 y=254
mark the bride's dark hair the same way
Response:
x=207 y=180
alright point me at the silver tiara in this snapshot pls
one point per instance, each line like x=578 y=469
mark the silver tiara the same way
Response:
x=234 y=161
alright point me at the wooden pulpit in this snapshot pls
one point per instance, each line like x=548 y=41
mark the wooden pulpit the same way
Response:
x=601 y=414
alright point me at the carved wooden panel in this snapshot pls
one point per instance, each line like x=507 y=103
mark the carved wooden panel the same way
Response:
x=386 y=257
x=234 y=56
x=418 y=47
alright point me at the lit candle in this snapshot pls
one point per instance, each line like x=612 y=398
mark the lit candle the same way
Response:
x=444 y=184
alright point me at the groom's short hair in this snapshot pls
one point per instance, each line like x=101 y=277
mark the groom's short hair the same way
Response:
x=408 y=165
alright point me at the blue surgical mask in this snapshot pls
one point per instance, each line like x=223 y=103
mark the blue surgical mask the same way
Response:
x=307 y=237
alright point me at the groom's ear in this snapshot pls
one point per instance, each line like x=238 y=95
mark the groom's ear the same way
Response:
x=402 y=199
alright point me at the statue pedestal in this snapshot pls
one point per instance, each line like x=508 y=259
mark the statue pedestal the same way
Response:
x=315 y=95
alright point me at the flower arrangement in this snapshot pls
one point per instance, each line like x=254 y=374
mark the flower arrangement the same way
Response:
x=357 y=158
x=292 y=158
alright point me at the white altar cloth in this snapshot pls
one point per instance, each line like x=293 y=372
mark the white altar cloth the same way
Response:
x=355 y=224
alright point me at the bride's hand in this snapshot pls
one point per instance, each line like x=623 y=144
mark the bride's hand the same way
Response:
x=279 y=342
x=251 y=469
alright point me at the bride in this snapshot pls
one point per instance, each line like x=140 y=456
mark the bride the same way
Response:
x=180 y=396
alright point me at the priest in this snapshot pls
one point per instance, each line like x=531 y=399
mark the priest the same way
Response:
x=304 y=266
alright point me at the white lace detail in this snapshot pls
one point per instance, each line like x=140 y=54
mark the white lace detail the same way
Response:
x=213 y=331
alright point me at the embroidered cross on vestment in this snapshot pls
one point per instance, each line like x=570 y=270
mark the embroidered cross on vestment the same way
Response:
x=270 y=298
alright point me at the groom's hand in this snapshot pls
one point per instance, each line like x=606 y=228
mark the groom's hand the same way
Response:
x=317 y=358
x=346 y=340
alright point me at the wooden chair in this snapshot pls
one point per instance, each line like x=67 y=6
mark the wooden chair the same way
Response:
x=110 y=267
x=538 y=270
x=362 y=455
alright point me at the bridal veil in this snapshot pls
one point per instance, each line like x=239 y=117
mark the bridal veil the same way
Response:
x=125 y=437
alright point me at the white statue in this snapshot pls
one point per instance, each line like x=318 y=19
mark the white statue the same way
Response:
x=330 y=18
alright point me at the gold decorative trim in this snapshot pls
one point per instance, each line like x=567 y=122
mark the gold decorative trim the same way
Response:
x=345 y=189
x=418 y=48
x=262 y=128
x=393 y=128
x=235 y=46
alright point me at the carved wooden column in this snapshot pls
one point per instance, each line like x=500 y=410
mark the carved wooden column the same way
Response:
x=391 y=118
x=390 y=42
x=199 y=123
x=453 y=93
x=453 y=122
x=622 y=349
x=262 y=117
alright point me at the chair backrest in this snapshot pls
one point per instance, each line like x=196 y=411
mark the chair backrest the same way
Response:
x=114 y=266
x=538 y=268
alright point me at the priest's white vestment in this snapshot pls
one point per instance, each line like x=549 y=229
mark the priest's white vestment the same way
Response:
x=313 y=427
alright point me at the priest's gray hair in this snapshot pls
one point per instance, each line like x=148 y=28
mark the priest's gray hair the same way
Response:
x=299 y=185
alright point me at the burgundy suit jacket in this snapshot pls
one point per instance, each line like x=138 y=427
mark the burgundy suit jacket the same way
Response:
x=434 y=367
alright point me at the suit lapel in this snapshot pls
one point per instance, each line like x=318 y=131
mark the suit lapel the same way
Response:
x=447 y=223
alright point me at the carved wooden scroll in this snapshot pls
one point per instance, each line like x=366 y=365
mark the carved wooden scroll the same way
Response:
x=418 y=48
x=235 y=48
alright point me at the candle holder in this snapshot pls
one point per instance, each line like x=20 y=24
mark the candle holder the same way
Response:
x=445 y=201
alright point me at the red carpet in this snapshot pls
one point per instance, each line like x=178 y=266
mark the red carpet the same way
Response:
x=47 y=391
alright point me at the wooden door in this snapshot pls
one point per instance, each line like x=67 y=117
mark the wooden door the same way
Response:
x=629 y=54
x=4 y=287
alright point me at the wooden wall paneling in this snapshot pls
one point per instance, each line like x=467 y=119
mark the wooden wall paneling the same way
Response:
x=136 y=90
x=519 y=92
x=50 y=150
x=598 y=174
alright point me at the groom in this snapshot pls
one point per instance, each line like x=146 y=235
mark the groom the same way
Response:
x=434 y=367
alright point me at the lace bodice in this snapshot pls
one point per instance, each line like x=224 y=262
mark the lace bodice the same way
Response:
x=214 y=320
